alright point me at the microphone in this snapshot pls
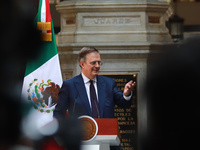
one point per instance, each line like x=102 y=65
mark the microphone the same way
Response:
x=74 y=106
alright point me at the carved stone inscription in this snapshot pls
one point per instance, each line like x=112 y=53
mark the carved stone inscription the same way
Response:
x=109 y=21
x=127 y=118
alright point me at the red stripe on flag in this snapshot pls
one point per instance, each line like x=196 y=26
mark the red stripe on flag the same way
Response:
x=48 y=14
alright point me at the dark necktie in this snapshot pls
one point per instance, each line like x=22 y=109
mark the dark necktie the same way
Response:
x=94 y=103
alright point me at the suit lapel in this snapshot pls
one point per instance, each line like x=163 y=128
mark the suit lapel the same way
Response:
x=80 y=87
x=101 y=87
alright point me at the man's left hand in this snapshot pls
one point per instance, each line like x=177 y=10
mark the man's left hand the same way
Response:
x=129 y=87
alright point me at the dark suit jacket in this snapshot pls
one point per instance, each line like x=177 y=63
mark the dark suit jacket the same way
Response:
x=73 y=96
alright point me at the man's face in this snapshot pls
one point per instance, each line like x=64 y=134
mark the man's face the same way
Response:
x=90 y=68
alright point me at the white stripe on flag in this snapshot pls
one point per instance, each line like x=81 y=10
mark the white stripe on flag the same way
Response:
x=47 y=71
x=43 y=11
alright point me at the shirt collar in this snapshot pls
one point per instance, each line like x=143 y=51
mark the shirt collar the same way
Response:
x=86 y=79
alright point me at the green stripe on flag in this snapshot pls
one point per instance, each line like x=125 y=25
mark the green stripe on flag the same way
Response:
x=38 y=17
x=45 y=52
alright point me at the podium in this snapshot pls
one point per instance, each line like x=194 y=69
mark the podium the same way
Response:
x=106 y=134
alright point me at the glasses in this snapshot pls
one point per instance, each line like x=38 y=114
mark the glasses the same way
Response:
x=93 y=63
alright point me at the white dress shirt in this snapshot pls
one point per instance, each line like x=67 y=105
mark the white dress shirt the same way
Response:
x=86 y=81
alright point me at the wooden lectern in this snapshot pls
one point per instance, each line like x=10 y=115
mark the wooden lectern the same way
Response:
x=107 y=135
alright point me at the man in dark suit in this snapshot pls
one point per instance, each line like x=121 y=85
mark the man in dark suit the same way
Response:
x=75 y=97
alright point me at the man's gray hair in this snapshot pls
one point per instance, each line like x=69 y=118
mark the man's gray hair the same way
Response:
x=84 y=51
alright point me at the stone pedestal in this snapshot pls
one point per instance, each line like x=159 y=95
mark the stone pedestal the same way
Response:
x=122 y=30
x=112 y=21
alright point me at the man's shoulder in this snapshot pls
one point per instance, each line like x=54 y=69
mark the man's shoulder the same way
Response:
x=73 y=79
x=105 y=78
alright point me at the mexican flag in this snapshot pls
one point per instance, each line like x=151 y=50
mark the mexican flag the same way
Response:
x=43 y=78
